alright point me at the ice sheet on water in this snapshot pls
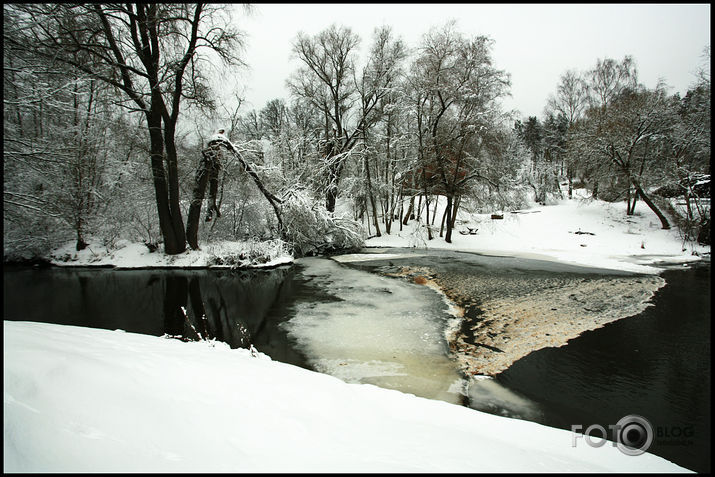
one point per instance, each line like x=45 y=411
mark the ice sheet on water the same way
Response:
x=366 y=257
x=380 y=330
x=490 y=396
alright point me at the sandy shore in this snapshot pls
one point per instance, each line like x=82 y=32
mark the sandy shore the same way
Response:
x=507 y=316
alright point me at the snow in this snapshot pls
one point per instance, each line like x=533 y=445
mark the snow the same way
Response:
x=218 y=137
x=630 y=243
x=88 y=400
x=222 y=254
x=80 y=399
x=549 y=232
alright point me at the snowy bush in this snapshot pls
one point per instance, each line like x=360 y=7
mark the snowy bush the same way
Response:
x=311 y=229
x=483 y=200
x=246 y=253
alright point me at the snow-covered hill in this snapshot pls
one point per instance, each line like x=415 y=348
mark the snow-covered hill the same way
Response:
x=87 y=400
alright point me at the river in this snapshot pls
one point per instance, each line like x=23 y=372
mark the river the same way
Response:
x=371 y=320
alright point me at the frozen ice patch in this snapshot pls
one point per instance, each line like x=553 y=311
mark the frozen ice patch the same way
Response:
x=378 y=330
x=366 y=257
x=353 y=371
x=490 y=396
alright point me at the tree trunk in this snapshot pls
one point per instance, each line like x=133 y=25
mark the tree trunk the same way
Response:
x=272 y=199
x=331 y=194
x=192 y=223
x=558 y=186
x=177 y=221
x=455 y=208
x=689 y=209
x=639 y=190
x=172 y=243
x=372 y=198
x=409 y=212
x=429 y=230
x=441 y=226
x=434 y=210
x=81 y=244
x=631 y=202
x=402 y=207
x=427 y=224
x=448 y=213
x=367 y=221
x=633 y=205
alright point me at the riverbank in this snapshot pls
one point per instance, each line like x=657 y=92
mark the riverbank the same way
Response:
x=131 y=255
x=202 y=407
x=504 y=317
x=580 y=231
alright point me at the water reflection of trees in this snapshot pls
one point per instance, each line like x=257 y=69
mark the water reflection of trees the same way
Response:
x=226 y=306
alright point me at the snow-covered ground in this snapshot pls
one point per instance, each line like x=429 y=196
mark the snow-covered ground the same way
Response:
x=125 y=254
x=87 y=400
x=78 y=399
x=551 y=232
x=580 y=231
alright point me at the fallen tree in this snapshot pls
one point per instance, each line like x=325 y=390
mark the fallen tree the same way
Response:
x=210 y=165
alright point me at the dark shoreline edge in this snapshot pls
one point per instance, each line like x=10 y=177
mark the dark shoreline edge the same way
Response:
x=45 y=264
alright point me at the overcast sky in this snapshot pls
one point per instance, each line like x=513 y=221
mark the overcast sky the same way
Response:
x=535 y=43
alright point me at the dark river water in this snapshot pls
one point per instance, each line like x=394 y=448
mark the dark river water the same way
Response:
x=226 y=305
x=655 y=364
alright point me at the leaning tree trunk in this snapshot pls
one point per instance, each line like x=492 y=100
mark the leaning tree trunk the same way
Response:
x=272 y=199
x=441 y=227
x=649 y=202
x=202 y=174
x=410 y=211
x=192 y=223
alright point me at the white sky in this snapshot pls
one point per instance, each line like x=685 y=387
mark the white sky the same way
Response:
x=535 y=43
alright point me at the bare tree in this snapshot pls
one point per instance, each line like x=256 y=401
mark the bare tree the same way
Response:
x=149 y=52
x=376 y=86
x=606 y=81
x=571 y=97
x=56 y=144
x=457 y=92
x=325 y=81
x=626 y=137
x=569 y=102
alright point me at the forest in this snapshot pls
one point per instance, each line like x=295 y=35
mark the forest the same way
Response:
x=109 y=109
